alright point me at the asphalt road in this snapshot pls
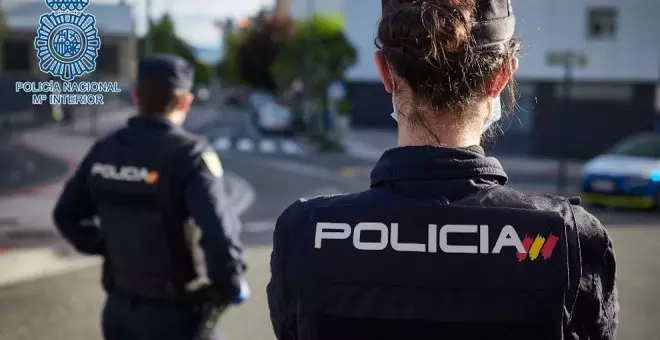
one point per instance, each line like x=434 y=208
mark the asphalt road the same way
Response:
x=68 y=306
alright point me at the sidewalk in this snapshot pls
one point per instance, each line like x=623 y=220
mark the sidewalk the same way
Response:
x=371 y=143
x=29 y=245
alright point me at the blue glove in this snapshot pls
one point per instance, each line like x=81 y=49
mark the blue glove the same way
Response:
x=243 y=295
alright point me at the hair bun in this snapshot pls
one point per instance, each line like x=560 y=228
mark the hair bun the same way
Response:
x=448 y=24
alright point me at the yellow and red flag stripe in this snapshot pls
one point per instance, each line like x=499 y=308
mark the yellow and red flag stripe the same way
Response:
x=538 y=246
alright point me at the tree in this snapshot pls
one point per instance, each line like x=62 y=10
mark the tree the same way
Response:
x=260 y=49
x=228 y=68
x=318 y=51
x=2 y=25
x=164 y=40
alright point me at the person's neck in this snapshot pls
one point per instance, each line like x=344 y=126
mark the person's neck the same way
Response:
x=441 y=137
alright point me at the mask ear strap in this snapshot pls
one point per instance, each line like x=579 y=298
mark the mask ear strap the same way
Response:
x=389 y=67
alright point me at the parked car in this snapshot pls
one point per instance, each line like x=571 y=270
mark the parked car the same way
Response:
x=203 y=94
x=269 y=115
x=627 y=176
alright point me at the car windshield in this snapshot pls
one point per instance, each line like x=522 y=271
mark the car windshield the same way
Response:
x=645 y=145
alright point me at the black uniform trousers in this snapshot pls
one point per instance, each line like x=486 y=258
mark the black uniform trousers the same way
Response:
x=126 y=317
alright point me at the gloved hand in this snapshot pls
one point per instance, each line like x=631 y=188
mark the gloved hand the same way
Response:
x=244 y=293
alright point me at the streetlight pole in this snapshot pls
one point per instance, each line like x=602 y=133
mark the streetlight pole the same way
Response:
x=308 y=95
x=569 y=60
x=148 y=48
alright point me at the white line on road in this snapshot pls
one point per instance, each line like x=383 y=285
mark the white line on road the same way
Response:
x=290 y=147
x=241 y=195
x=267 y=146
x=269 y=225
x=306 y=170
x=245 y=145
x=222 y=143
x=259 y=226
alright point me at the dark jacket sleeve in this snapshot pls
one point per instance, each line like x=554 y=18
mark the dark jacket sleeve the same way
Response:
x=74 y=212
x=280 y=300
x=597 y=306
x=207 y=203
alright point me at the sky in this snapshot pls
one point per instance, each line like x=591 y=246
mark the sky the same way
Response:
x=194 y=18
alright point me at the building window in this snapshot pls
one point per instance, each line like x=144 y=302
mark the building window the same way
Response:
x=108 y=60
x=601 y=23
x=18 y=55
x=521 y=118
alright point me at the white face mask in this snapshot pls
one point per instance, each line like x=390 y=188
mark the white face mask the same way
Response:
x=494 y=117
x=495 y=113
x=395 y=112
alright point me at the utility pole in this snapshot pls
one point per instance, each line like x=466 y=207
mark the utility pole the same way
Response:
x=148 y=43
x=569 y=60
x=308 y=80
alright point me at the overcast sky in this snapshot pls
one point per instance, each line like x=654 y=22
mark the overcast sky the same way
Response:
x=194 y=18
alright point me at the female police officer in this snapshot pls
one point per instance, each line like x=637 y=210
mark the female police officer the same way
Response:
x=439 y=247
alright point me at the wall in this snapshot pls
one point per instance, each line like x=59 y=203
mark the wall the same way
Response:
x=633 y=55
x=545 y=26
x=612 y=96
x=301 y=8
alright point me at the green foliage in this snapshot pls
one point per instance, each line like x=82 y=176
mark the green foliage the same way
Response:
x=318 y=50
x=344 y=107
x=266 y=37
x=164 y=40
x=2 y=25
x=228 y=68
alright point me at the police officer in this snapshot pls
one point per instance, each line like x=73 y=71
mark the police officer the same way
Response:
x=439 y=247
x=142 y=184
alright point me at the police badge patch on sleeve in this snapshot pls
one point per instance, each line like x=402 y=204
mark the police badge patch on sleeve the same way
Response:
x=212 y=162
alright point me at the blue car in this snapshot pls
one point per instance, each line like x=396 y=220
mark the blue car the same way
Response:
x=627 y=176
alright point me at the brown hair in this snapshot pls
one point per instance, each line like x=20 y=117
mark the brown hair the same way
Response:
x=155 y=99
x=429 y=44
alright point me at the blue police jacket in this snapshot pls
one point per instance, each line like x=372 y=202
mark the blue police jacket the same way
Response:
x=440 y=248
x=144 y=182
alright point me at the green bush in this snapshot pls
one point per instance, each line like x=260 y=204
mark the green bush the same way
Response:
x=317 y=49
x=344 y=107
x=228 y=69
x=164 y=40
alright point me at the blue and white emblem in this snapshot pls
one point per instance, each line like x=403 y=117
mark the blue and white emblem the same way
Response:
x=67 y=40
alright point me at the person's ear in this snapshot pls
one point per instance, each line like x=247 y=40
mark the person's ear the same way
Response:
x=185 y=104
x=134 y=97
x=384 y=72
x=501 y=78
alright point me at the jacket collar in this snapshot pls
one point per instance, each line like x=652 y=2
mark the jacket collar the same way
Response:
x=157 y=122
x=436 y=163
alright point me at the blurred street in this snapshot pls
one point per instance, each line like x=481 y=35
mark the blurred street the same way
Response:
x=66 y=303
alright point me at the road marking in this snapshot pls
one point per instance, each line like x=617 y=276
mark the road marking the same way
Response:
x=290 y=147
x=245 y=145
x=267 y=146
x=354 y=171
x=259 y=226
x=269 y=225
x=222 y=143
x=242 y=193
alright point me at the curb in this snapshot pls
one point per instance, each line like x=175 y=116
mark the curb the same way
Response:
x=71 y=164
x=22 y=265
x=30 y=264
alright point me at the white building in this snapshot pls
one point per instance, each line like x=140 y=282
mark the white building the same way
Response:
x=114 y=21
x=615 y=90
x=302 y=8
x=117 y=59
